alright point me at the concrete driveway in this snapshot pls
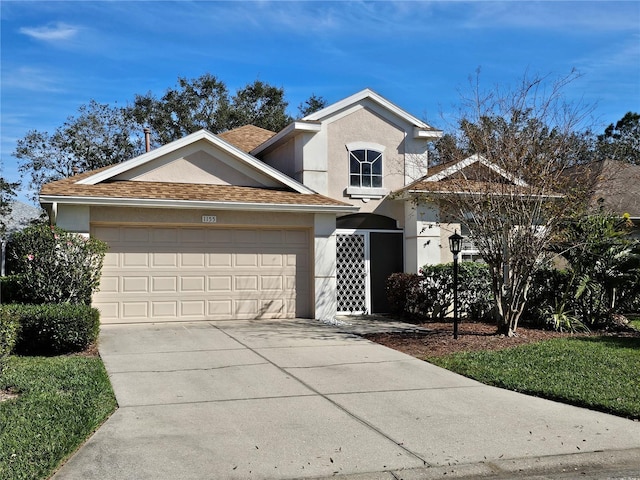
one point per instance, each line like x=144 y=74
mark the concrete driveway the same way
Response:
x=300 y=399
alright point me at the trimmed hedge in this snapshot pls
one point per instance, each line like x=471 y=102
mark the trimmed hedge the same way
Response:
x=430 y=294
x=8 y=335
x=52 y=329
x=9 y=289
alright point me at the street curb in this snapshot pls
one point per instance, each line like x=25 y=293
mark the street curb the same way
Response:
x=563 y=466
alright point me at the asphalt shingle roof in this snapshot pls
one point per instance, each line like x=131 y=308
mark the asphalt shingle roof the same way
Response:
x=246 y=138
x=127 y=189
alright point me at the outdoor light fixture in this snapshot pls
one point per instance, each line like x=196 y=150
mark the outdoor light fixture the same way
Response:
x=455 y=245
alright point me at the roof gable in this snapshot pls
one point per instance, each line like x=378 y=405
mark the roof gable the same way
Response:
x=371 y=98
x=469 y=168
x=199 y=158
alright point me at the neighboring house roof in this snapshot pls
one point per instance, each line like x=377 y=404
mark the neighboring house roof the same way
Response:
x=125 y=183
x=474 y=174
x=246 y=138
x=613 y=185
x=22 y=214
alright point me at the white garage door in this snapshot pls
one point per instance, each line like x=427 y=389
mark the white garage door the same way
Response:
x=154 y=274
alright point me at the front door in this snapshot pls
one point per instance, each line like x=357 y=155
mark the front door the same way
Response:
x=364 y=261
x=352 y=272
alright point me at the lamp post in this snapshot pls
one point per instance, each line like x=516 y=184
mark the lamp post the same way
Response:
x=455 y=245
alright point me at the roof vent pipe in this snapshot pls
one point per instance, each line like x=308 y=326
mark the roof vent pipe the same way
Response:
x=147 y=139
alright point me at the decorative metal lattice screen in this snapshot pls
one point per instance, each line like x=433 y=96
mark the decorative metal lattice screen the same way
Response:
x=351 y=274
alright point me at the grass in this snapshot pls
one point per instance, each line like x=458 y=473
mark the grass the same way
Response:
x=61 y=401
x=600 y=373
x=634 y=320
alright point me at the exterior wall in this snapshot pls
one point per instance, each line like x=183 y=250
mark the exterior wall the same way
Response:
x=363 y=125
x=283 y=158
x=326 y=305
x=201 y=163
x=74 y=218
x=423 y=236
x=229 y=218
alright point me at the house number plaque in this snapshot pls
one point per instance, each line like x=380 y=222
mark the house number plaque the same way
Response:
x=209 y=219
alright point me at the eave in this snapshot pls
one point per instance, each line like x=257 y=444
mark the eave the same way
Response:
x=193 y=204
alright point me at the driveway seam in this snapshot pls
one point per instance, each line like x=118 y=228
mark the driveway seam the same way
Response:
x=332 y=402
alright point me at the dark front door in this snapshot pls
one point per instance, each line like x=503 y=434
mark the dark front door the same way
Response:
x=386 y=253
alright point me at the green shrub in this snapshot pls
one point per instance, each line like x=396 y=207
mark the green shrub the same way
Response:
x=51 y=329
x=550 y=294
x=405 y=293
x=55 y=266
x=10 y=289
x=430 y=294
x=8 y=334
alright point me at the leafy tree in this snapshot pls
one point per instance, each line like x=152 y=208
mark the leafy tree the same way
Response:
x=201 y=103
x=528 y=133
x=98 y=136
x=621 y=141
x=311 y=105
x=7 y=193
x=259 y=104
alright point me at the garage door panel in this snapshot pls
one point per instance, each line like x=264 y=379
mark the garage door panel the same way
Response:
x=223 y=237
x=192 y=308
x=219 y=283
x=134 y=260
x=109 y=284
x=245 y=236
x=135 y=310
x=164 y=309
x=165 y=236
x=220 y=260
x=164 y=284
x=220 y=308
x=165 y=274
x=246 y=283
x=272 y=260
x=272 y=283
x=160 y=260
x=246 y=260
x=135 y=285
x=134 y=235
x=192 y=235
x=192 y=260
x=192 y=284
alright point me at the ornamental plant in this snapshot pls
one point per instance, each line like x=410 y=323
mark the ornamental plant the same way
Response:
x=55 y=266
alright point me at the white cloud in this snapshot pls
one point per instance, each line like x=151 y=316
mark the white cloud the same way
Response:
x=51 y=32
x=29 y=78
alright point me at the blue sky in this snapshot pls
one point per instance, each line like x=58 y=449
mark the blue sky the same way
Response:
x=58 y=55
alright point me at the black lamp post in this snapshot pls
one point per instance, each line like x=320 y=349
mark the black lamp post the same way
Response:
x=455 y=245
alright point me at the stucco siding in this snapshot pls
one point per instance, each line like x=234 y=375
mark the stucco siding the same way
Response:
x=194 y=217
x=363 y=125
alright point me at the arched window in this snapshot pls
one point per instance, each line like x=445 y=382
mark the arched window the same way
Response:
x=365 y=168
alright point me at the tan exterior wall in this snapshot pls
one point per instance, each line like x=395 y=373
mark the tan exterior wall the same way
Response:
x=147 y=216
x=283 y=159
x=199 y=163
x=363 y=125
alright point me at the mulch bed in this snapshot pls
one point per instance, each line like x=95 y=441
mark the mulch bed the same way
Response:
x=439 y=341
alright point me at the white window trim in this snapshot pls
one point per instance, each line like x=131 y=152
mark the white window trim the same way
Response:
x=366 y=193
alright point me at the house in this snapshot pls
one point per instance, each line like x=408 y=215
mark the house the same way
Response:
x=305 y=222
x=615 y=187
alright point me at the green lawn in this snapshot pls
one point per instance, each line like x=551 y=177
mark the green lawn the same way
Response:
x=601 y=373
x=61 y=401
